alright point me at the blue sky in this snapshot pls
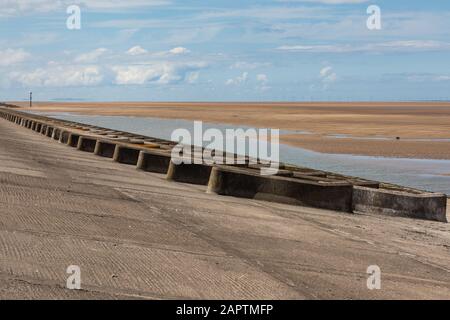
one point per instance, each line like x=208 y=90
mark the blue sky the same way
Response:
x=225 y=50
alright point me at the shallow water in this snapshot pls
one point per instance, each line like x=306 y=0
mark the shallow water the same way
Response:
x=416 y=173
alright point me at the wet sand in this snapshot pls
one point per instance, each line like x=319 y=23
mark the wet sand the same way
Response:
x=382 y=129
x=385 y=148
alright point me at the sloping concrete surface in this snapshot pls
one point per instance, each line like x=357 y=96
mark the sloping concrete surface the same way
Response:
x=136 y=235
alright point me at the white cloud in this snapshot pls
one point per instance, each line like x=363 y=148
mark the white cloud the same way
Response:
x=442 y=78
x=391 y=46
x=14 y=7
x=327 y=76
x=262 y=78
x=328 y=1
x=156 y=72
x=422 y=77
x=250 y=65
x=18 y=7
x=192 y=77
x=11 y=56
x=265 y=12
x=91 y=57
x=324 y=71
x=137 y=50
x=134 y=67
x=413 y=44
x=120 y=4
x=137 y=75
x=59 y=76
x=179 y=50
x=238 y=80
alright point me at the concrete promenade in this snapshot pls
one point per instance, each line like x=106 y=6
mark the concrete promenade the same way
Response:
x=136 y=235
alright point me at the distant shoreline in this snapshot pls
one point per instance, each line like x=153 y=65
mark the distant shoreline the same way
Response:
x=25 y=103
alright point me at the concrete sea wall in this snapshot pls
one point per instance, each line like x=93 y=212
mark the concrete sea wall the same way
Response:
x=293 y=185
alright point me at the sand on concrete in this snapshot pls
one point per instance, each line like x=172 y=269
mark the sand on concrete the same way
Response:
x=408 y=120
x=136 y=235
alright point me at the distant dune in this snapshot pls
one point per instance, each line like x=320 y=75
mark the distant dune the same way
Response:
x=376 y=128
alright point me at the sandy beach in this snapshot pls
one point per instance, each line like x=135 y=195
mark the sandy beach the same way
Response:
x=407 y=130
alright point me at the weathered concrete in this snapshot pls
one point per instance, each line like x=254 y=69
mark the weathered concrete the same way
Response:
x=56 y=134
x=126 y=155
x=105 y=149
x=49 y=131
x=189 y=173
x=43 y=129
x=154 y=161
x=86 y=144
x=237 y=182
x=421 y=206
x=136 y=235
x=73 y=139
x=64 y=137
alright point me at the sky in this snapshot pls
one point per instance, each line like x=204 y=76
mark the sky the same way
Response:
x=224 y=50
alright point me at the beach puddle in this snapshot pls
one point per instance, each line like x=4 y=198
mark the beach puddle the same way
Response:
x=416 y=173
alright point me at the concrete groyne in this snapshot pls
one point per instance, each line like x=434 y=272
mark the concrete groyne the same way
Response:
x=293 y=185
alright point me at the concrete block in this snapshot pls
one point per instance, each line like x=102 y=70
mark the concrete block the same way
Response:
x=285 y=173
x=153 y=161
x=367 y=184
x=305 y=171
x=86 y=144
x=429 y=206
x=64 y=137
x=189 y=173
x=105 y=149
x=320 y=178
x=136 y=141
x=49 y=131
x=56 y=134
x=73 y=139
x=244 y=183
x=126 y=155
